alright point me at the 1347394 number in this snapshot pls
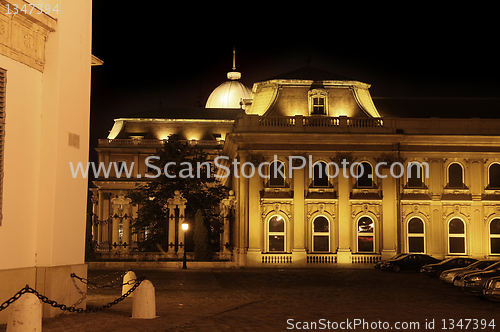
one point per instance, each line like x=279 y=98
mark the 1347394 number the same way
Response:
x=32 y=8
x=466 y=324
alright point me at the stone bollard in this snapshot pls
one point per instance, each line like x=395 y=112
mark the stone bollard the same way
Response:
x=25 y=315
x=144 y=305
x=130 y=275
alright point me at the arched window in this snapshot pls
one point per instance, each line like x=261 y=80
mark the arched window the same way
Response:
x=495 y=236
x=276 y=234
x=366 y=235
x=415 y=175
x=455 y=176
x=456 y=236
x=277 y=174
x=320 y=175
x=321 y=234
x=365 y=175
x=494 y=176
x=416 y=236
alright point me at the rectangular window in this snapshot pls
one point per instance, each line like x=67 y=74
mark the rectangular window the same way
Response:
x=495 y=245
x=457 y=245
x=277 y=243
x=318 y=105
x=365 y=243
x=321 y=243
x=416 y=244
x=3 y=81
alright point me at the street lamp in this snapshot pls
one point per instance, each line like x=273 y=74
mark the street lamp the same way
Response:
x=185 y=227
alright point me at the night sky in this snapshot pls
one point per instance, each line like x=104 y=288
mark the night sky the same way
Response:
x=174 y=57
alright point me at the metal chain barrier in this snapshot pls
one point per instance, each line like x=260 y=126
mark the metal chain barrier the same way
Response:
x=82 y=293
x=64 y=307
x=108 y=284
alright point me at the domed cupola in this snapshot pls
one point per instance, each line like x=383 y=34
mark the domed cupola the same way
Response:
x=230 y=93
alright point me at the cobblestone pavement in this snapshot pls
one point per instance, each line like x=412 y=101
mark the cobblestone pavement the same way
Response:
x=274 y=299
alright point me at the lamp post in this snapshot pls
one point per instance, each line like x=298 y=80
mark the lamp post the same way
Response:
x=185 y=227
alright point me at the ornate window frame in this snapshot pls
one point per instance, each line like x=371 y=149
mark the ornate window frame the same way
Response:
x=448 y=175
x=424 y=172
x=314 y=94
x=492 y=236
x=271 y=174
x=284 y=233
x=322 y=234
x=324 y=176
x=415 y=235
x=366 y=234
x=371 y=174
x=488 y=175
x=456 y=235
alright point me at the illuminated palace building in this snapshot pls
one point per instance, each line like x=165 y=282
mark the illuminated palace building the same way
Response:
x=314 y=132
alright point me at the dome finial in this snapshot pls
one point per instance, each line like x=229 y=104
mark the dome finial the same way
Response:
x=234 y=75
x=234 y=58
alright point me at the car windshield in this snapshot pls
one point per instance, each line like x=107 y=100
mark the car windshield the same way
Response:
x=480 y=265
x=493 y=266
x=398 y=256
x=446 y=260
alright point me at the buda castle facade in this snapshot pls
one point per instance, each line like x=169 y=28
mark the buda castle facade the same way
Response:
x=317 y=176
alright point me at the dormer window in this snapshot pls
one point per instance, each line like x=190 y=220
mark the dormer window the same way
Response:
x=318 y=102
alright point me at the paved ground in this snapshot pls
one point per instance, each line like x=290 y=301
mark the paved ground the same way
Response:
x=274 y=299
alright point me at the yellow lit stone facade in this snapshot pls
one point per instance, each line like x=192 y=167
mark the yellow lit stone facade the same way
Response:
x=45 y=60
x=302 y=218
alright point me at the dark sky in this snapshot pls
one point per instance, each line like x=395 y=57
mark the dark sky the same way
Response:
x=161 y=55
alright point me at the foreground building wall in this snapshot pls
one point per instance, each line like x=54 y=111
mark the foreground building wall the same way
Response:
x=46 y=58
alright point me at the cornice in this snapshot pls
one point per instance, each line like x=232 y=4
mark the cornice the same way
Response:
x=23 y=35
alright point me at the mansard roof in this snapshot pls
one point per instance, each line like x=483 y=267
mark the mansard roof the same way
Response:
x=189 y=113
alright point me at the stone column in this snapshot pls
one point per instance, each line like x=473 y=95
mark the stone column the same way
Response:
x=299 y=226
x=344 y=213
x=255 y=226
x=241 y=216
x=227 y=207
x=475 y=237
x=389 y=221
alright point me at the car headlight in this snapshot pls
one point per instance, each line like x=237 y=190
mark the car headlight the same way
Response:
x=444 y=274
x=474 y=279
x=495 y=284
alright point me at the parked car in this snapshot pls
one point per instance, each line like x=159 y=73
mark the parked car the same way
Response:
x=408 y=262
x=448 y=276
x=492 y=289
x=379 y=263
x=474 y=282
x=459 y=279
x=433 y=270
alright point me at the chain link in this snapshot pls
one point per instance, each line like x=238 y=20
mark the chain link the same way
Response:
x=64 y=307
x=110 y=284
